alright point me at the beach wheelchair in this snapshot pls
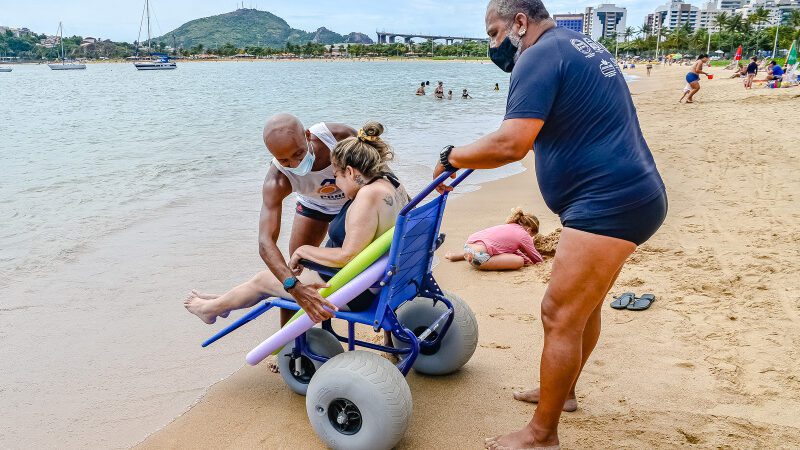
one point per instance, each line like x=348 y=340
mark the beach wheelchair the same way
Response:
x=359 y=399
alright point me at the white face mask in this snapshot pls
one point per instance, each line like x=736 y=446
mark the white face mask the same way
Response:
x=305 y=165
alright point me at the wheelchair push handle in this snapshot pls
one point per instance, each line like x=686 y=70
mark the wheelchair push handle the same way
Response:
x=431 y=187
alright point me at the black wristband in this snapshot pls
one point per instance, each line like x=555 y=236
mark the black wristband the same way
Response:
x=444 y=159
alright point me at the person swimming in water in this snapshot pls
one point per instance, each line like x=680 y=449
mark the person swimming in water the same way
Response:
x=465 y=95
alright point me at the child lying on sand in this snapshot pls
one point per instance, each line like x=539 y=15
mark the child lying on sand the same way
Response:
x=503 y=247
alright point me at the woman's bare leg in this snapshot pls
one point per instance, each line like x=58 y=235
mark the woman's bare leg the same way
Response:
x=504 y=261
x=242 y=296
x=584 y=268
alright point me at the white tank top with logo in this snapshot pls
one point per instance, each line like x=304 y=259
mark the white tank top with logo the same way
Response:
x=317 y=190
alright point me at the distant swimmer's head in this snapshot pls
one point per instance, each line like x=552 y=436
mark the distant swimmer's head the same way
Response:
x=287 y=141
x=359 y=159
x=525 y=220
x=507 y=24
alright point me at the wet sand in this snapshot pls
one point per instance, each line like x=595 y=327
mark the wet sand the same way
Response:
x=715 y=363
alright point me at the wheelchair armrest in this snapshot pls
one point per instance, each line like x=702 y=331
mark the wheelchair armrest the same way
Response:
x=440 y=240
x=319 y=268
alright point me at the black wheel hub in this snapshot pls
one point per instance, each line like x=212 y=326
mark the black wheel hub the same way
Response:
x=424 y=348
x=344 y=416
x=308 y=369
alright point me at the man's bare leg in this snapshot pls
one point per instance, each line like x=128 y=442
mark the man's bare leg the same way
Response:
x=591 y=335
x=585 y=266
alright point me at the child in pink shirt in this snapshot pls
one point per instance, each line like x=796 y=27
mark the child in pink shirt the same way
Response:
x=504 y=247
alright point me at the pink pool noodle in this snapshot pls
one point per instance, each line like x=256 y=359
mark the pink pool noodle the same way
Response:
x=348 y=292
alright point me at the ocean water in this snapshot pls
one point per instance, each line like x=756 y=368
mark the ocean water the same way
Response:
x=121 y=190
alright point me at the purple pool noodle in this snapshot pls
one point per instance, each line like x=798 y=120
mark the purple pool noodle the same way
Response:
x=348 y=292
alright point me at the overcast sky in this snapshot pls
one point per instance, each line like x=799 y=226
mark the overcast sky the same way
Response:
x=119 y=19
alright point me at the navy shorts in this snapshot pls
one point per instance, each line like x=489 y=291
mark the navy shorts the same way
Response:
x=637 y=225
x=305 y=211
x=691 y=77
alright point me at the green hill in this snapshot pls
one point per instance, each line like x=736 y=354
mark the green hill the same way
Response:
x=245 y=28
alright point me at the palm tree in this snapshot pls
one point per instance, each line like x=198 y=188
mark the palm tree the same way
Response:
x=721 y=20
x=629 y=31
x=759 y=16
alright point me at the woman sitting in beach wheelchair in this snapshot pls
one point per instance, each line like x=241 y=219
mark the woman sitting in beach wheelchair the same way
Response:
x=349 y=402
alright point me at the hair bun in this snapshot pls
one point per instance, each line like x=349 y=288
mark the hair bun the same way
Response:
x=372 y=129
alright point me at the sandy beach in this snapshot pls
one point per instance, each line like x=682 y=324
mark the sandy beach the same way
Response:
x=715 y=363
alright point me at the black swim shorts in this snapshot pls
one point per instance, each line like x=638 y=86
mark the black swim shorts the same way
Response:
x=305 y=211
x=637 y=225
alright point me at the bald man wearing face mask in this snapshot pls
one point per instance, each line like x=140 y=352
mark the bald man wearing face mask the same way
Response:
x=302 y=165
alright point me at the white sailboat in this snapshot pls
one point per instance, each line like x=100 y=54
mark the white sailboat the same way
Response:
x=64 y=65
x=163 y=62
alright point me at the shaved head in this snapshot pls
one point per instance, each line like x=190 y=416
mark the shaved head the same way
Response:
x=285 y=138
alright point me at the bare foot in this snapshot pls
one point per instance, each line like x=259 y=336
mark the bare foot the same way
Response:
x=272 y=364
x=210 y=297
x=532 y=396
x=522 y=439
x=198 y=307
x=454 y=256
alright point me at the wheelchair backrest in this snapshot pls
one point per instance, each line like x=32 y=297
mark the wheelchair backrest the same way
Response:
x=411 y=255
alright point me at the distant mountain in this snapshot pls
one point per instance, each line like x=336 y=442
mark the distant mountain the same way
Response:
x=358 y=38
x=245 y=28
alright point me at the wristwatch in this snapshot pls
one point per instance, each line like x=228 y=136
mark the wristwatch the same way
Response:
x=289 y=283
x=444 y=159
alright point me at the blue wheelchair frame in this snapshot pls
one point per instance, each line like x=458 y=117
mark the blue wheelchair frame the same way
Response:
x=408 y=276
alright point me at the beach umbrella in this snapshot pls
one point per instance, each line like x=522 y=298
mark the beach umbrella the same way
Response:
x=792 y=58
x=738 y=56
x=677 y=56
x=719 y=52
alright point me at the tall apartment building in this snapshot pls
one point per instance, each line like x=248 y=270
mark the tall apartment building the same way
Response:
x=730 y=5
x=707 y=16
x=574 y=22
x=779 y=11
x=674 y=14
x=605 y=21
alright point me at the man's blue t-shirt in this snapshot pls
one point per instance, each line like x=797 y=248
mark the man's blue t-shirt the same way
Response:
x=777 y=71
x=591 y=157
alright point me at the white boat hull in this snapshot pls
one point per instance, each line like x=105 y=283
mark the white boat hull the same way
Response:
x=3 y=69
x=155 y=66
x=67 y=66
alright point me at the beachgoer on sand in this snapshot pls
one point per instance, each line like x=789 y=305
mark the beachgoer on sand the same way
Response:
x=693 y=77
x=502 y=247
x=686 y=90
x=572 y=105
x=374 y=198
x=752 y=71
x=775 y=73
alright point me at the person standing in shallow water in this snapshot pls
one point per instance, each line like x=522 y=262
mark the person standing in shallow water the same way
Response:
x=569 y=101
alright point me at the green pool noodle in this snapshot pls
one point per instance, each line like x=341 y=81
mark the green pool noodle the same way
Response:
x=369 y=255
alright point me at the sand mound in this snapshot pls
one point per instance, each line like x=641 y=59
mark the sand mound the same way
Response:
x=547 y=244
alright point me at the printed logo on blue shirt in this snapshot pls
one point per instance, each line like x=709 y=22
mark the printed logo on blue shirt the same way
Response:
x=608 y=69
x=595 y=46
x=582 y=47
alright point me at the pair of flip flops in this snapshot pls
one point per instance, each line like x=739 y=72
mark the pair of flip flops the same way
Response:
x=631 y=302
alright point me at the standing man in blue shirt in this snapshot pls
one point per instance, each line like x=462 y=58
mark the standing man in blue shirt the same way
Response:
x=568 y=102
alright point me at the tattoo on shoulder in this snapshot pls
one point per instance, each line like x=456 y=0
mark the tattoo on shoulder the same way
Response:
x=388 y=200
